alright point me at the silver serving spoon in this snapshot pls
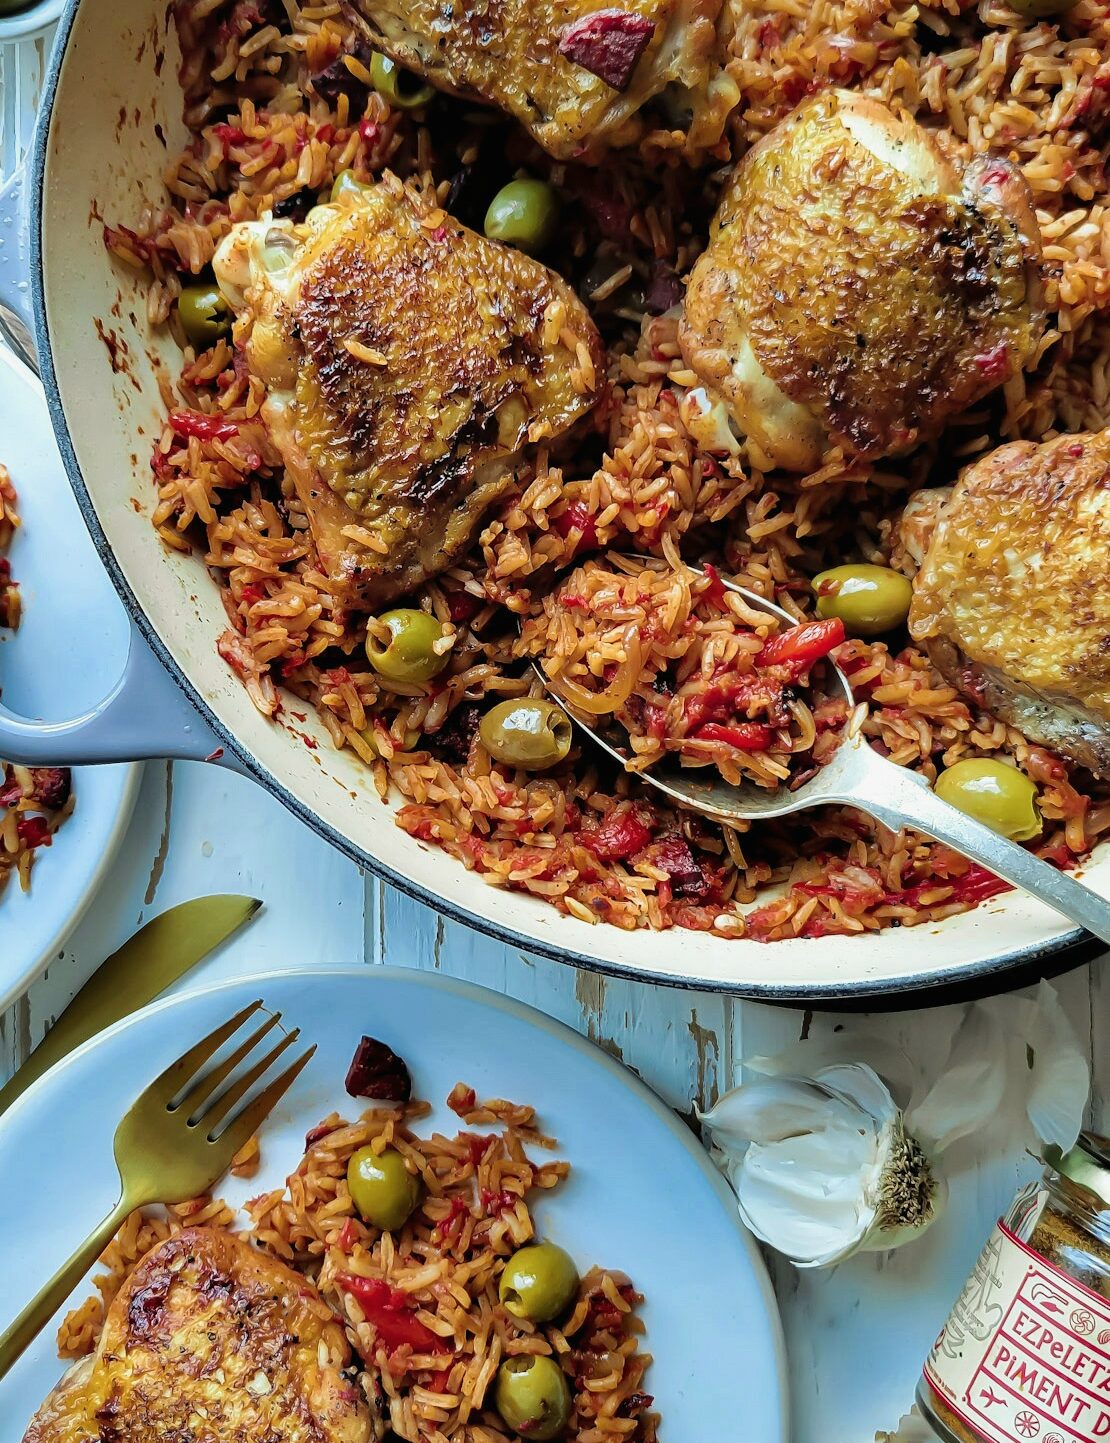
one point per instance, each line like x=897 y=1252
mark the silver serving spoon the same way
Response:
x=859 y=777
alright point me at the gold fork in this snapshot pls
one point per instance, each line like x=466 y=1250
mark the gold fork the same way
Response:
x=170 y=1146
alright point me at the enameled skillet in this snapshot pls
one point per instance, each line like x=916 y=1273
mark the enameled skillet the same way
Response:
x=111 y=114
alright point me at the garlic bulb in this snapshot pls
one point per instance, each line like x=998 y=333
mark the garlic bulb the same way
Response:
x=824 y=1160
x=823 y=1166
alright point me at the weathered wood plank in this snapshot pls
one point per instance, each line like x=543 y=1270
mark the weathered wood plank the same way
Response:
x=198 y=830
x=679 y=1041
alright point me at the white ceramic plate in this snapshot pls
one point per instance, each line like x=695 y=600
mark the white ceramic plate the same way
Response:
x=642 y=1196
x=72 y=616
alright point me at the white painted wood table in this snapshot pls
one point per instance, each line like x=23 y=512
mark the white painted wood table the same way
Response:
x=856 y=1335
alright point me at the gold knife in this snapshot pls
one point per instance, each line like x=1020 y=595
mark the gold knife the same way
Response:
x=160 y=952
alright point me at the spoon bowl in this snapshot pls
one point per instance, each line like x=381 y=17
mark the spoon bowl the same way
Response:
x=857 y=776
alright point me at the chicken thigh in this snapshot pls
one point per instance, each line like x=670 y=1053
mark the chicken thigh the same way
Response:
x=408 y=362
x=1011 y=601
x=573 y=73
x=211 y=1340
x=858 y=289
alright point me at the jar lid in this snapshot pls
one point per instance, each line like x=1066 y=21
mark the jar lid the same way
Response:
x=1088 y=1165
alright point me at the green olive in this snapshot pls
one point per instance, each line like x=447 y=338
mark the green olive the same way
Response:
x=532 y=733
x=399 y=86
x=523 y=213
x=868 y=599
x=539 y=1283
x=995 y=794
x=1041 y=9
x=382 y=1188
x=533 y=1397
x=410 y=655
x=347 y=183
x=204 y=313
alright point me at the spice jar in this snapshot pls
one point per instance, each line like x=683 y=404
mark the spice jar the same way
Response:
x=1025 y=1353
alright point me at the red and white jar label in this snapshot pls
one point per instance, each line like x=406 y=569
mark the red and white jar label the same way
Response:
x=1025 y=1353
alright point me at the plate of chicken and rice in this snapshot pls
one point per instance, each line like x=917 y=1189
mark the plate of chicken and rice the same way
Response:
x=463 y=342
x=431 y=1239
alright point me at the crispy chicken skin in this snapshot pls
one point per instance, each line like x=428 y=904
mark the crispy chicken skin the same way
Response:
x=858 y=290
x=1011 y=601
x=507 y=53
x=213 y=1341
x=408 y=361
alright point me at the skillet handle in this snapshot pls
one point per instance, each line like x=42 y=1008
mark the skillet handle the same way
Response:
x=145 y=716
x=898 y=798
x=16 y=326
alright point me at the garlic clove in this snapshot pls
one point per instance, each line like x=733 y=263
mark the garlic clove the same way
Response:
x=1015 y=1076
x=861 y=1085
x=766 y=1111
x=1061 y=1076
x=969 y=1091
x=813 y=1231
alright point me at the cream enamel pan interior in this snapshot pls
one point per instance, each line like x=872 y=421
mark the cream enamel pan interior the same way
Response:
x=99 y=155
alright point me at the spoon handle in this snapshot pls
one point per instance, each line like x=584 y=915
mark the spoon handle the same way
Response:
x=898 y=798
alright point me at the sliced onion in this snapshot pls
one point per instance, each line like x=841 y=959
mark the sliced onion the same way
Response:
x=604 y=703
x=278 y=249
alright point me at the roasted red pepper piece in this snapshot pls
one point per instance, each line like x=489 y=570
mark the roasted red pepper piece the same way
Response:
x=720 y=701
x=391 y=1314
x=608 y=44
x=977 y=884
x=655 y=720
x=496 y=1203
x=228 y=135
x=203 y=425
x=744 y=736
x=33 y=831
x=462 y=1099
x=995 y=363
x=446 y=1226
x=620 y=835
x=577 y=518
x=802 y=646
x=715 y=591
x=477 y=1147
